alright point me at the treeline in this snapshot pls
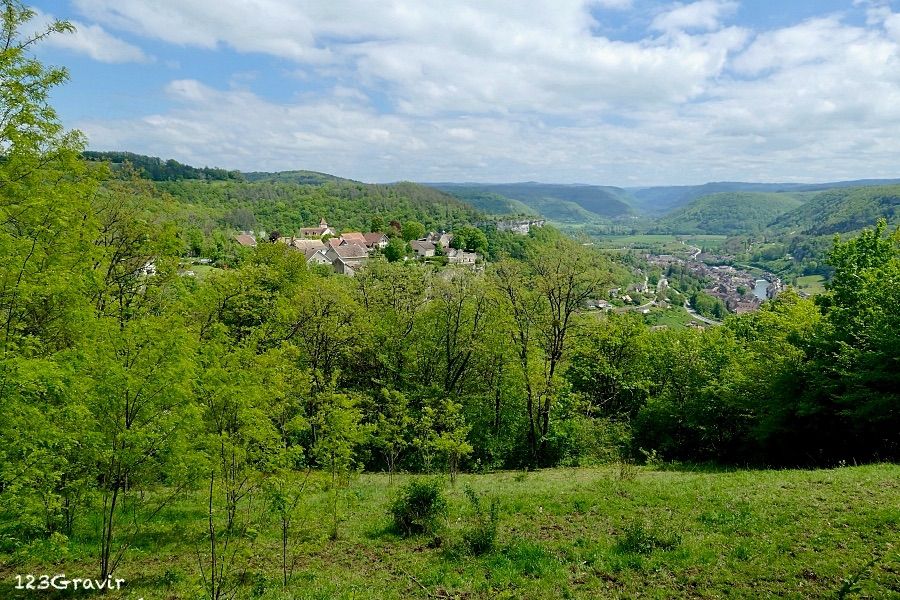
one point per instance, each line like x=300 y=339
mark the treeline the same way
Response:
x=156 y=169
x=346 y=205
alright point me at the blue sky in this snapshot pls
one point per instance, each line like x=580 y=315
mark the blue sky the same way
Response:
x=617 y=92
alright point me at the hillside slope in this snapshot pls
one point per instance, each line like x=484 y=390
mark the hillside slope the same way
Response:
x=843 y=210
x=564 y=203
x=729 y=213
x=286 y=207
x=659 y=200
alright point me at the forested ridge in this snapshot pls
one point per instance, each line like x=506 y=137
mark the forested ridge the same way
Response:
x=125 y=388
x=729 y=213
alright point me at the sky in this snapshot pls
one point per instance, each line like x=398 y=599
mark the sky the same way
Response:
x=612 y=92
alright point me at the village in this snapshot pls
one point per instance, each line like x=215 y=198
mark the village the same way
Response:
x=345 y=253
x=741 y=291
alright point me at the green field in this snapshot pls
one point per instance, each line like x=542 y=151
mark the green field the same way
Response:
x=609 y=532
x=675 y=317
x=659 y=243
x=811 y=284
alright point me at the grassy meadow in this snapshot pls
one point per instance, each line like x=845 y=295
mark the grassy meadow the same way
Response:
x=609 y=532
x=811 y=284
x=659 y=243
x=673 y=317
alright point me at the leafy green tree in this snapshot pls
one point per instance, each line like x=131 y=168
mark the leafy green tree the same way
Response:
x=855 y=368
x=396 y=249
x=543 y=297
x=339 y=433
x=241 y=446
x=392 y=428
x=609 y=367
x=141 y=400
x=471 y=239
x=452 y=440
x=326 y=324
x=46 y=225
x=394 y=295
x=413 y=230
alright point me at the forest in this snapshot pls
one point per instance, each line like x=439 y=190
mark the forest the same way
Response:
x=127 y=391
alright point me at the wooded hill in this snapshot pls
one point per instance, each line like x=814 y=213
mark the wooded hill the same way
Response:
x=843 y=210
x=156 y=169
x=557 y=202
x=660 y=200
x=839 y=210
x=729 y=213
x=211 y=198
x=286 y=207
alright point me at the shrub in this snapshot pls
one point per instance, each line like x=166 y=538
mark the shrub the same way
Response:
x=482 y=535
x=419 y=507
x=638 y=539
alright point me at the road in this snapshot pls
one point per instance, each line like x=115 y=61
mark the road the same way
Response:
x=694 y=248
x=699 y=317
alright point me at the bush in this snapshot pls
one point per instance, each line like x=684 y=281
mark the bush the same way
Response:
x=482 y=535
x=419 y=507
x=638 y=539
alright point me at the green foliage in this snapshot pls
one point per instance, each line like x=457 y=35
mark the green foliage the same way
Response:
x=843 y=210
x=638 y=538
x=283 y=206
x=392 y=427
x=420 y=507
x=396 y=249
x=709 y=306
x=470 y=239
x=480 y=536
x=564 y=203
x=413 y=230
x=156 y=169
x=730 y=213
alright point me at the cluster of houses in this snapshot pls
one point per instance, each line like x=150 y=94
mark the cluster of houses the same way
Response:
x=733 y=286
x=347 y=252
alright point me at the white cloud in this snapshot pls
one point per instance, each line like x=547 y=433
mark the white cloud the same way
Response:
x=815 y=40
x=90 y=39
x=480 y=55
x=614 y=4
x=705 y=15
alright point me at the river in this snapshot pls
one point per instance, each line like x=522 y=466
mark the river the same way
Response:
x=760 y=290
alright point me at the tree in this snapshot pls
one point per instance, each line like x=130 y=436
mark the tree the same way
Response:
x=339 y=432
x=413 y=230
x=46 y=226
x=392 y=428
x=543 y=296
x=241 y=446
x=471 y=239
x=855 y=369
x=376 y=224
x=452 y=440
x=140 y=397
x=396 y=249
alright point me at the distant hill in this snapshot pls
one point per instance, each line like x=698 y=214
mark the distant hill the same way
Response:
x=660 y=200
x=493 y=204
x=300 y=177
x=729 y=213
x=156 y=169
x=564 y=203
x=346 y=205
x=842 y=211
